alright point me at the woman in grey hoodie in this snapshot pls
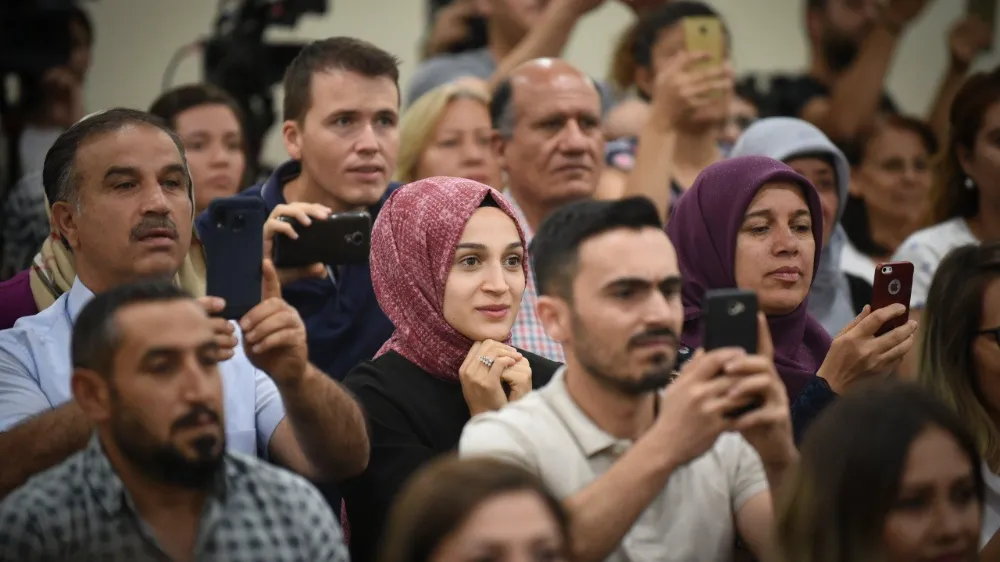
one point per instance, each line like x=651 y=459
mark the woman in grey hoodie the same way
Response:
x=836 y=297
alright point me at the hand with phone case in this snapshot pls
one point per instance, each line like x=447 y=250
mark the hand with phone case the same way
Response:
x=304 y=214
x=857 y=354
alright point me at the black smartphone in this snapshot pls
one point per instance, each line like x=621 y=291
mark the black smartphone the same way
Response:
x=234 y=250
x=340 y=239
x=730 y=320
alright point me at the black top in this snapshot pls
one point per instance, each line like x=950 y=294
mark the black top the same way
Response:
x=413 y=417
x=861 y=292
x=793 y=94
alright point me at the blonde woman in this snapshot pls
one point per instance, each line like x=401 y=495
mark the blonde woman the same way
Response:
x=447 y=132
x=960 y=354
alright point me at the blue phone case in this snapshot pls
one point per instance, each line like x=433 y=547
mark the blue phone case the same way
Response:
x=234 y=248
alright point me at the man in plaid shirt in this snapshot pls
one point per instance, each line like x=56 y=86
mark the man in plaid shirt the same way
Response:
x=547 y=115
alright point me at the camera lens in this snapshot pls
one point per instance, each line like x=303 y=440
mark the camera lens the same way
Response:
x=239 y=221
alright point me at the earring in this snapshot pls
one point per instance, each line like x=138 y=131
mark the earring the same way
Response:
x=969 y=184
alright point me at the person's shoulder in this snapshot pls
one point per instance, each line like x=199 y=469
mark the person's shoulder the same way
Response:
x=47 y=493
x=40 y=324
x=935 y=240
x=274 y=485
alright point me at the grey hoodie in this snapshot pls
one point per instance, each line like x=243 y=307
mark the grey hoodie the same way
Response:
x=784 y=138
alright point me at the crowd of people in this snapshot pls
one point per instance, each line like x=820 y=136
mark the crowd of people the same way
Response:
x=521 y=369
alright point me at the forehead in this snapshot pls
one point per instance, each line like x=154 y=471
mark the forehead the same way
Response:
x=935 y=455
x=343 y=90
x=670 y=40
x=461 y=110
x=563 y=92
x=778 y=194
x=177 y=324
x=812 y=164
x=205 y=116
x=490 y=223
x=139 y=146
x=644 y=253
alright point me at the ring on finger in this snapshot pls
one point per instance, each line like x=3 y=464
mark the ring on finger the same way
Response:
x=486 y=361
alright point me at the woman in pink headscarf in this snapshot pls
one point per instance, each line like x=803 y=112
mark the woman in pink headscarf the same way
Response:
x=448 y=267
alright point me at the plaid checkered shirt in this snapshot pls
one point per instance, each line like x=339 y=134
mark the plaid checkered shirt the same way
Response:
x=79 y=511
x=528 y=333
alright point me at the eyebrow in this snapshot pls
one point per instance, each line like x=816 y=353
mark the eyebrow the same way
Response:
x=671 y=283
x=482 y=247
x=133 y=171
x=770 y=212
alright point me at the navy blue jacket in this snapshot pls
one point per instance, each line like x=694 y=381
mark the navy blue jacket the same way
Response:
x=344 y=323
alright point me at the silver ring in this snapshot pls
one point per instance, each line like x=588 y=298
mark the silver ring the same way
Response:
x=486 y=361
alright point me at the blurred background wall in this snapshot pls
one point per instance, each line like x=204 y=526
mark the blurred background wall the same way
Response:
x=135 y=39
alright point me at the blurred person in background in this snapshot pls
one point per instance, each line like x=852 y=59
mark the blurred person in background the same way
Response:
x=547 y=121
x=965 y=206
x=209 y=122
x=891 y=182
x=886 y=474
x=155 y=479
x=853 y=44
x=959 y=355
x=447 y=132
x=836 y=297
x=484 y=509
x=449 y=269
x=689 y=105
x=744 y=110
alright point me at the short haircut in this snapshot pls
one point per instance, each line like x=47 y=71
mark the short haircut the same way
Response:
x=336 y=53
x=502 y=115
x=79 y=16
x=59 y=173
x=648 y=31
x=816 y=5
x=173 y=102
x=856 y=151
x=96 y=336
x=555 y=248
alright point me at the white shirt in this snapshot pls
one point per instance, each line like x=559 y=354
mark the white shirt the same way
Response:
x=853 y=262
x=926 y=248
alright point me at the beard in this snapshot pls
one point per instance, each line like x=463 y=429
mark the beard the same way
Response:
x=606 y=365
x=163 y=461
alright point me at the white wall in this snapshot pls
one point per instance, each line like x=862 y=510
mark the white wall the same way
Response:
x=136 y=38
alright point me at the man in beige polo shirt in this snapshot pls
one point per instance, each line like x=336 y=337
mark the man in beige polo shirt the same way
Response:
x=646 y=476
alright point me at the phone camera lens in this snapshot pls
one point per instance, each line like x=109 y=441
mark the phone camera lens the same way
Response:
x=239 y=221
x=886 y=270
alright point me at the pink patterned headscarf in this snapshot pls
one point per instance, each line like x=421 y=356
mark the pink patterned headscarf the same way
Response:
x=413 y=247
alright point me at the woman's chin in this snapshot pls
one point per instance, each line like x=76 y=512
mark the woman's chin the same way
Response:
x=780 y=305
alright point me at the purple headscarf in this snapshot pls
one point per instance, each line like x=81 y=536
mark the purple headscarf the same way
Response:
x=703 y=228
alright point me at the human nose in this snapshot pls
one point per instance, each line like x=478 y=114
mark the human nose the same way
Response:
x=367 y=140
x=494 y=280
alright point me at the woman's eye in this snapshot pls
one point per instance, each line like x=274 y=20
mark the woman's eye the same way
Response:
x=469 y=261
x=513 y=261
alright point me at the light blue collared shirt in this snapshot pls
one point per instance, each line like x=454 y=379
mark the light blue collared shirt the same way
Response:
x=35 y=370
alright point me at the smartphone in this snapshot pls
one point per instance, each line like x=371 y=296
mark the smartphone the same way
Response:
x=705 y=34
x=985 y=10
x=893 y=283
x=234 y=250
x=730 y=320
x=340 y=239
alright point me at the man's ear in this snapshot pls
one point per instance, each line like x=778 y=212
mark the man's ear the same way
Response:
x=291 y=136
x=964 y=159
x=556 y=318
x=500 y=149
x=92 y=393
x=64 y=217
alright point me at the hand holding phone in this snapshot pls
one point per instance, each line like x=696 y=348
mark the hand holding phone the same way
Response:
x=234 y=253
x=892 y=284
x=730 y=320
x=706 y=35
x=339 y=239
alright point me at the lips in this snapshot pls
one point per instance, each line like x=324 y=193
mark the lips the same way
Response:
x=787 y=274
x=367 y=169
x=158 y=233
x=498 y=311
x=573 y=168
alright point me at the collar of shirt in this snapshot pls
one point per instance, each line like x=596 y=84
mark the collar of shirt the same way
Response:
x=111 y=493
x=591 y=439
x=78 y=297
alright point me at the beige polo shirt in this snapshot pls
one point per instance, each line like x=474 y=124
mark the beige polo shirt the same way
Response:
x=692 y=520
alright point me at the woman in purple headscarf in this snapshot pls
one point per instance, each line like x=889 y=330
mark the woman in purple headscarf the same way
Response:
x=754 y=223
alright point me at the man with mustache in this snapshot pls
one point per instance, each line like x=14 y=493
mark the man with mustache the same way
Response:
x=122 y=199
x=547 y=128
x=853 y=44
x=155 y=479
x=644 y=475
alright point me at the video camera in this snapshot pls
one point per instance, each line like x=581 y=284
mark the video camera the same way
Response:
x=238 y=60
x=34 y=35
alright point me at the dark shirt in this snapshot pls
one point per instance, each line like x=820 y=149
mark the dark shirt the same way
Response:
x=344 y=323
x=861 y=292
x=413 y=417
x=793 y=94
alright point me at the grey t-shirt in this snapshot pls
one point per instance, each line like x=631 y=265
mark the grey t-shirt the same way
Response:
x=478 y=63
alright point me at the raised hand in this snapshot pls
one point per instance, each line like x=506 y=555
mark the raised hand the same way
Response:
x=304 y=213
x=481 y=381
x=274 y=335
x=685 y=91
x=856 y=354
x=967 y=39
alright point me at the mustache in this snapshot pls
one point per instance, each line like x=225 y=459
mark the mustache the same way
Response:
x=150 y=223
x=656 y=334
x=190 y=419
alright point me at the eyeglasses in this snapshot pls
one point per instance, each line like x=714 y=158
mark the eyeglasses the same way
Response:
x=995 y=332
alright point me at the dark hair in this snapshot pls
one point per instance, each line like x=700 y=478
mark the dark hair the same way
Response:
x=79 y=16
x=648 y=31
x=173 y=102
x=816 y=5
x=949 y=326
x=855 y=151
x=852 y=461
x=951 y=198
x=95 y=334
x=555 y=247
x=336 y=53
x=443 y=494
x=59 y=174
